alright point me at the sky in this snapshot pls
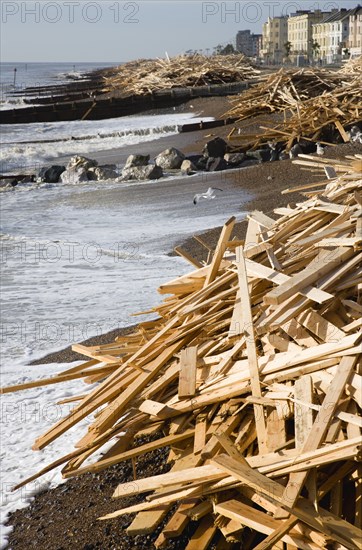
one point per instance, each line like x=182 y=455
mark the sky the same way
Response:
x=114 y=31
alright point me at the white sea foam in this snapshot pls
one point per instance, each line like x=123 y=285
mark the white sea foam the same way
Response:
x=76 y=261
x=29 y=146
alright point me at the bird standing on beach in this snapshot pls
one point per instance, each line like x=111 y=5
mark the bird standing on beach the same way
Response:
x=320 y=149
x=210 y=194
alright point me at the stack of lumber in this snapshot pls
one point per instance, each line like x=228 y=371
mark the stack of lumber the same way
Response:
x=282 y=90
x=252 y=377
x=305 y=119
x=353 y=66
x=149 y=75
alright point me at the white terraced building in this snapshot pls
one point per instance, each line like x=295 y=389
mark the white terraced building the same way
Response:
x=332 y=35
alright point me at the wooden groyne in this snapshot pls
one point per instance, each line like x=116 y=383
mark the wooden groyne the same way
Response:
x=112 y=105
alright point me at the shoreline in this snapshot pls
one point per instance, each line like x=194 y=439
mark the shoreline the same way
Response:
x=267 y=196
x=52 y=519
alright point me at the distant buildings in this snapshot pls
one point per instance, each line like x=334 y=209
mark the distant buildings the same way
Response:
x=300 y=32
x=308 y=36
x=355 y=32
x=248 y=43
x=331 y=35
x=275 y=37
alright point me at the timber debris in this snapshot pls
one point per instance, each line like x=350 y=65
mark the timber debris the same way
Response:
x=315 y=106
x=251 y=376
x=146 y=76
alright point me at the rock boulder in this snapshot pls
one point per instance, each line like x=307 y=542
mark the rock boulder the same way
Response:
x=216 y=148
x=74 y=175
x=139 y=173
x=50 y=174
x=81 y=162
x=137 y=160
x=101 y=173
x=170 y=159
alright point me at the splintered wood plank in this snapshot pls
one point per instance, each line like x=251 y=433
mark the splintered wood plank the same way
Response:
x=248 y=330
x=320 y=427
x=203 y=535
x=319 y=326
x=230 y=448
x=325 y=261
x=184 y=254
x=303 y=416
x=213 y=444
x=179 y=521
x=236 y=322
x=261 y=522
x=200 y=433
x=187 y=377
x=146 y=522
x=342 y=131
x=174 y=477
x=132 y=453
x=220 y=250
x=264 y=272
x=276 y=433
x=252 y=235
x=298 y=333
x=325 y=522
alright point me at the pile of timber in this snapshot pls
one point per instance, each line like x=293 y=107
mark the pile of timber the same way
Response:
x=311 y=119
x=353 y=66
x=251 y=375
x=146 y=76
x=281 y=90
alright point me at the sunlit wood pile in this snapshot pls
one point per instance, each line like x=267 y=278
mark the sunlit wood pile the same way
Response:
x=353 y=66
x=281 y=90
x=149 y=75
x=251 y=376
x=310 y=112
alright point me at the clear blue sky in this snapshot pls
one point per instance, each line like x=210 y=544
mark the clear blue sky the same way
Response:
x=115 y=31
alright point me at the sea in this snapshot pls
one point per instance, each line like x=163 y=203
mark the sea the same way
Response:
x=78 y=260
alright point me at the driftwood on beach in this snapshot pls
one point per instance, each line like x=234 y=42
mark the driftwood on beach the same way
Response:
x=251 y=376
x=312 y=102
x=146 y=76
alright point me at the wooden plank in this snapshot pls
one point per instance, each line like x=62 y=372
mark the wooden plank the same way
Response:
x=319 y=326
x=220 y=250
x=303 y=417
x=187 y=376
x=203 y=535
x=132 y=453
x=320 y=427
x=248 y=330
x=200 y=433
x=324 y=262
x=184 y=254
x=261 y=522
x=326 y=522
x=179 y=521
x=264 y=272
x=342 y=131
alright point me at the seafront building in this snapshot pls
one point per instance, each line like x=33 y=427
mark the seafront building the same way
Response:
x=332 y=34
x=248 y=43
x=300 y=33
x=306 y=37
x=275 y=38
x=355 y=32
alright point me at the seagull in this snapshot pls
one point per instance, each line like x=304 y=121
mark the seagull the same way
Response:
x=210 y=194
x=320 y=149
x=357 y=137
